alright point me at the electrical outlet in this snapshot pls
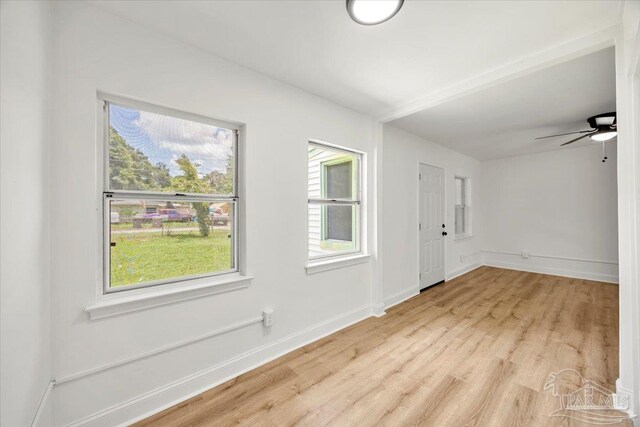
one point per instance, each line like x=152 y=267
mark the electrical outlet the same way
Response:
x=525 y=254
x=461 y=258
x=267 y=317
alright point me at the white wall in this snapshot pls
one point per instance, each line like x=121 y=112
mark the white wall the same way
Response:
x=98 y=51
x=25 y=306
x=402 y=154
x=560 y=204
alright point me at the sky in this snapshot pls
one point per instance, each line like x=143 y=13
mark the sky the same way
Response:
x=164 y=139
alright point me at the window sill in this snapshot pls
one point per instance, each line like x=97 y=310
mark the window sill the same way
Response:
x=463 y=237
x=318 y=266
x=122 y=304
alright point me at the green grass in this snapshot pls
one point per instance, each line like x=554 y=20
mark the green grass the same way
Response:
x=144 y=257
x=165 y=225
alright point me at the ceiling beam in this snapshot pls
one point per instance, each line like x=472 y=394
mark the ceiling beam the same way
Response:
x=529 y=64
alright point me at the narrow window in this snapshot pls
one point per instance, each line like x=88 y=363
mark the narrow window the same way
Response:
x=170 y=200
x=462 y=208
x=334 y=201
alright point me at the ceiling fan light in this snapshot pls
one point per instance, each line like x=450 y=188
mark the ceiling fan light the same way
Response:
x=603 y=136
x=372 y=12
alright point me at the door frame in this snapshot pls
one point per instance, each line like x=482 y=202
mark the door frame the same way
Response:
x=628 y=381
x=417 y=224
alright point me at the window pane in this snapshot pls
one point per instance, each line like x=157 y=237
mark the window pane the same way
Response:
x=338 y=180
x=333 y=173
x=460 y=214
x=332 y=229
x=154 y=152
x=339 y=223
x=160 y=240
x=459 y=191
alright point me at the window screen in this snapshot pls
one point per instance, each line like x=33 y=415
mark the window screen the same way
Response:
x=170 y=203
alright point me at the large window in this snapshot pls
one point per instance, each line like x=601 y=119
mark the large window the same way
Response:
x=170 y=196
x=463 y=209
x=334 y=201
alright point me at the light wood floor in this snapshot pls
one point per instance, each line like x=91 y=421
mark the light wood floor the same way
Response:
x=476 y=350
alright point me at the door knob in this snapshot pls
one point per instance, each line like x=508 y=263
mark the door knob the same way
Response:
x=444 y=233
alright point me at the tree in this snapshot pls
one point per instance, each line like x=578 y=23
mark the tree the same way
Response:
x=130 y=169
x=161 y=176
x=190 y=182
x=222 y=182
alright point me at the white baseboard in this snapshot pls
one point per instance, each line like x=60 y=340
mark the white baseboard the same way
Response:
x=399 y=297
x=154 y=401
x=622 y=390
x=405 y=294
x=567 y=266
x=556 y=271
x=378 y=310
x=464 y=270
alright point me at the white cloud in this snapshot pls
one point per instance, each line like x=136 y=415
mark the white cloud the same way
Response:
x=207 y=143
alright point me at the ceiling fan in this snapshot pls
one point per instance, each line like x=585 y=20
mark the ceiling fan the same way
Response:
x=603 y=128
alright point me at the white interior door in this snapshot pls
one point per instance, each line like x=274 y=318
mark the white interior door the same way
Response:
x=431 y=227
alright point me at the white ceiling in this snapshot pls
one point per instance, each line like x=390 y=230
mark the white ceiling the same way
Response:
x=503 y=120
x=315 y=46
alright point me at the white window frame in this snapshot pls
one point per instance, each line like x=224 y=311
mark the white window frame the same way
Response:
x=466 y=207
x=358 y=203
x=106 y=193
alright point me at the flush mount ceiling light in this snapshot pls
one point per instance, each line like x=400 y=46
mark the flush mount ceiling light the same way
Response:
x=372 y=12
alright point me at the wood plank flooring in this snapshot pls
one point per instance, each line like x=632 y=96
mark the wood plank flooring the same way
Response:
x=476 y=350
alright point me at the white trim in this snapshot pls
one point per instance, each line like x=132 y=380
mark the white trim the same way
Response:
x=622 y=389
x=627 y=105
x=314 y=267
x=400 y=297
x=553 y=271
x=553 y=257
x=464 y=270
x=377 y=267
x=138 y=104
x=378 y=310
x=154 y=401
x=127 y=302
x=462 y=237
x=42 y=405
x=324 y=144
x=533 y=268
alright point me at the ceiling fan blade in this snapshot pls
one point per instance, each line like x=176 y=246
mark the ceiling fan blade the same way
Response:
x=562 y=134
x=579 y=138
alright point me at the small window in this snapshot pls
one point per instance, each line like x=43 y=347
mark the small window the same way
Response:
x=334 y=201
x=170 y=201
x=463 y=208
